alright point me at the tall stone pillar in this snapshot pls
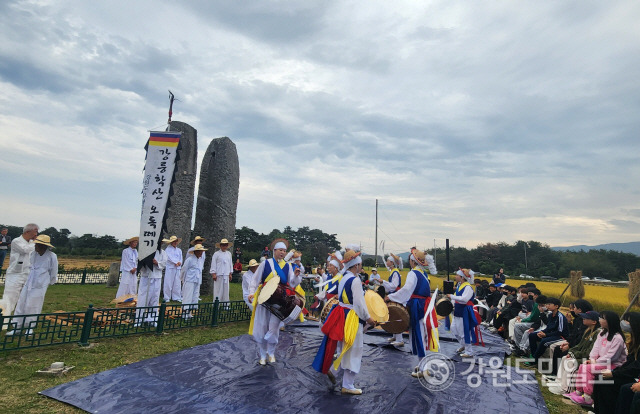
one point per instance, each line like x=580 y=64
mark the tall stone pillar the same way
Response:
x=180 y=211
x=217 y=199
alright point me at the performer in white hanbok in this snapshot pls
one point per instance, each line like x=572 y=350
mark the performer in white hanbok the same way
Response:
x=172 y=288
x=394 y=265
x=247 y=277
x=416 y=295
x=345 y=321
x=330 y=289
x=18 y=270
x=191 y=276
x=149 y=290
x=44 y=272
x=128 y=268
x=201 y=259
x=465 y=323
x=265 y=325
x=221 y=270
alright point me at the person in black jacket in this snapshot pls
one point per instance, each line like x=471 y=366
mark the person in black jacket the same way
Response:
x=557 y=329
x=499 y=277
x=620 y=394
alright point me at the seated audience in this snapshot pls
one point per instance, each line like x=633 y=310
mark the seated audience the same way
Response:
x=608 y=352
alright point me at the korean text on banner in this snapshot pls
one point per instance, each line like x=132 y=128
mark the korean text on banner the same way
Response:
x=158 y=175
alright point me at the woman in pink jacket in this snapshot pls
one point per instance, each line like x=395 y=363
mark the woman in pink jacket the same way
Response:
x=608 y=352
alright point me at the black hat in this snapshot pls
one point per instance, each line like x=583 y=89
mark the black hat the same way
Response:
x=593 y=315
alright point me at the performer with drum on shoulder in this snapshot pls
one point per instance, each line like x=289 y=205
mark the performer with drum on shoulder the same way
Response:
x=464 y=320
x=416 y=294
x=394 y=265
x=264 y=324
x=343 y=328
x=330 y=289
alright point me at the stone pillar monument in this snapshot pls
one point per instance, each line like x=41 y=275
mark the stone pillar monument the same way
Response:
x=217 y=199
x=180 y=209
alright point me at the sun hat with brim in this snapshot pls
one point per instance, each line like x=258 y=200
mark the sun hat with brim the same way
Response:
x=279 y=240
x=351 y=258
x=224 y=241
x=172 y=239
x=419 y=257
x=253 y=262
x=198 y=240
x=199 y=247
x=43 y=239
x=128 y=241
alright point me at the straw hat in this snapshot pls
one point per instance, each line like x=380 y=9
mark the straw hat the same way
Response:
x=419 y=257
x=171 y=240
x=128 y=241
x=198 y=240
x=253 y=263
x=297 y=255
x=43 y=239
x=224 y=241
x=276 y=241
x=351 y=258
x=199 y=247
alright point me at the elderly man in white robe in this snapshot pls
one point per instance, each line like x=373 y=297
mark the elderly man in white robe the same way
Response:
x=149 y=290
x=44 y=272
x=247 y=277
x=265 y=326
x=221 y=270
x=128 y=268
x=201 y=259
x=18 y=270
x=172 y=288
x=191 y=276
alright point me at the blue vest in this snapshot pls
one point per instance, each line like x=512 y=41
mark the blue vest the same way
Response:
x=422 y=286
x=458 y=308
x=395 y=275
x=268 y=269
x=346 y=291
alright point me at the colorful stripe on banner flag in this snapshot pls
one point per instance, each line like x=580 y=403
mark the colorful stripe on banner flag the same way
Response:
x=160 y=139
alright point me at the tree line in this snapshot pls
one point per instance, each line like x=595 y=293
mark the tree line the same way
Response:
x=528 y=257
x=538 y=259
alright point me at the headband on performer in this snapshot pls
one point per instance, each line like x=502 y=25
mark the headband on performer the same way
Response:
x=356 y=260
x=280 y=245
x=467 y=274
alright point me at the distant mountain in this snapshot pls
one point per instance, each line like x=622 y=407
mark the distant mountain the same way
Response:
x=631 y=247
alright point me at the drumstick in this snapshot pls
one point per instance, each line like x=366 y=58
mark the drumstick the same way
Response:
x=396 y=320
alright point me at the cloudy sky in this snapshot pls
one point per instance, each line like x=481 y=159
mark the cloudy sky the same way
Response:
x=473 y=121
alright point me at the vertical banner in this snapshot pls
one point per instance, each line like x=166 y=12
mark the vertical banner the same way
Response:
x=162 y=149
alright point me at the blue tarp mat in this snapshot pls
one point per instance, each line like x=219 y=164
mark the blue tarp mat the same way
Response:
x=224 y=377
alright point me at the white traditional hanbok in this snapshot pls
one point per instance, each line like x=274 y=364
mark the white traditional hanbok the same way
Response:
x=44 y=272
x=149 y=290
x=128 y=280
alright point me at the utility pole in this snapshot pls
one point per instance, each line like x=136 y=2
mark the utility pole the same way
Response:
x=376 y=252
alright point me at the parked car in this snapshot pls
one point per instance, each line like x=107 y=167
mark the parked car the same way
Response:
x=548 y=278
x=600 y=280
x=586 y=278
x=524 y=276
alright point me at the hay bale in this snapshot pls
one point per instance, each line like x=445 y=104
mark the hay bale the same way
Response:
x=634 y=285
x=577 y=286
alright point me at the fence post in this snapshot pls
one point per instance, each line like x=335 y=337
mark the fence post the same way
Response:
x=214 y=316
x=163 y=309
x=86 y=327
x=84 y=275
